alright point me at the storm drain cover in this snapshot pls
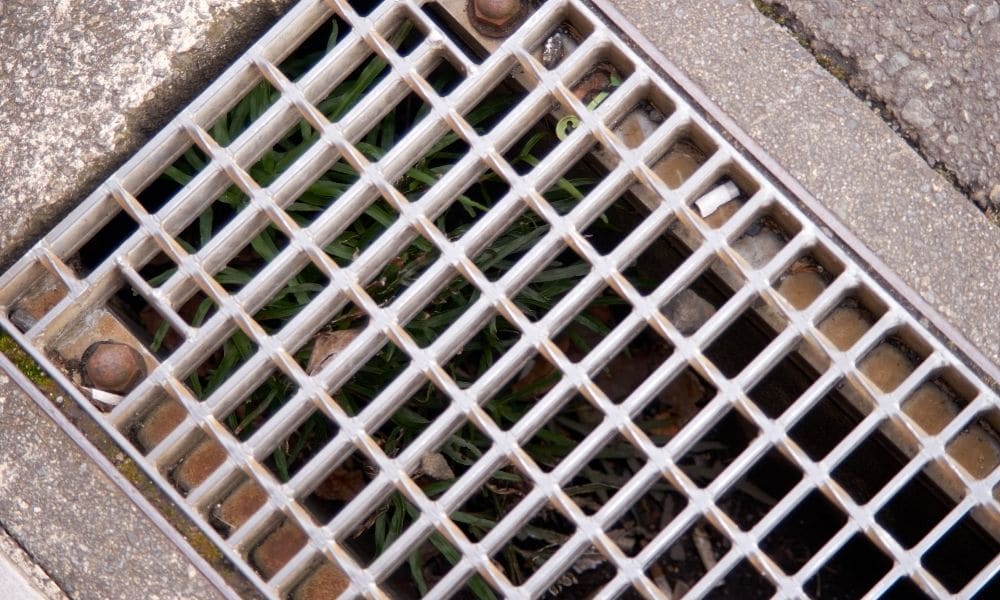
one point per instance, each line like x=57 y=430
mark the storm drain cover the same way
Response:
x=409 y=306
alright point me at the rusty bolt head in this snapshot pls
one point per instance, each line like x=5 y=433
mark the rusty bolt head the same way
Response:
x=497 y=18
x=113 y=367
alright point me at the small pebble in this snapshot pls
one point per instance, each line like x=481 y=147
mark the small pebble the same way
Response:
x=434 y=465
x=995 y=194
x=677 y=553
x=688 y=311
x=759 y=249
x=552 y=53
x=990 y=14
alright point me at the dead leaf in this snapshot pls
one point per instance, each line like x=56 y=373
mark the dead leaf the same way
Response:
x=663 y=424
x=806 y=264
x=434 y=465
x=540 y=369
x=594 y=82
x=327 y=345
x=341 y=485
x=682 y=397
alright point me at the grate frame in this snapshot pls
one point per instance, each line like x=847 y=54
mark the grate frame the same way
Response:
x=156 y=233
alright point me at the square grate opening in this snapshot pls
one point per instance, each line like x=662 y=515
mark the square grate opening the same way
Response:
x=421 y=312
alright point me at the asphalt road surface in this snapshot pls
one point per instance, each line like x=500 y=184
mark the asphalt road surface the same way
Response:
x=934 y=65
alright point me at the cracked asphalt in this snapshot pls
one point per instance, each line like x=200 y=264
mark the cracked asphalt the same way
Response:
x=934 y=65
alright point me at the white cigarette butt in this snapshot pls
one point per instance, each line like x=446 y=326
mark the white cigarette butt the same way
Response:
x=710 y=202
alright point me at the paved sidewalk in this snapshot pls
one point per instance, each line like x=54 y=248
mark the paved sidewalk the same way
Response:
x=936 y=67
x=20 y=577
x=76 y=524
x=84 y=83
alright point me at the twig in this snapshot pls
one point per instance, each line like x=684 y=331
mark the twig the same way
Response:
x=668 y=512
x=660 y=579
x=704 y=547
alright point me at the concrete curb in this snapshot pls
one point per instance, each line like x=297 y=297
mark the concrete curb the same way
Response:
x=933 y=65
x=84 y=84
x=76 y=524
x=20 y=577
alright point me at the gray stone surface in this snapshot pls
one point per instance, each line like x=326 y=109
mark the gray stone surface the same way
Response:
x=935 y=65
x=74 y=522
x=20 y=577
x=83 y=84
x=840 y=150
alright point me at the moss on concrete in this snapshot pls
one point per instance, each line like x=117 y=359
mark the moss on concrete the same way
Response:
x=27 y=365
x=831 y=65
x=126 y=466
x=198 y=540
x=779 y=14
x=993 y=215
x=770 y=11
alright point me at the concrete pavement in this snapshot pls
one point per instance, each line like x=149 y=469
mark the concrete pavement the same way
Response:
x=935 y=67
x=21 y=577
x=75 y=524
x=84 y=84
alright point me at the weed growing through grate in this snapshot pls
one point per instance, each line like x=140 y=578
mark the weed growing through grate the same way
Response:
x=549 y=445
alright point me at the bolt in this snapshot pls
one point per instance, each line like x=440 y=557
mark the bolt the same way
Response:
x=113 y=367
x=496 y=18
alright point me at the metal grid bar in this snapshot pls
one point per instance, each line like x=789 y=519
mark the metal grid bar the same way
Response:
x=297 y=101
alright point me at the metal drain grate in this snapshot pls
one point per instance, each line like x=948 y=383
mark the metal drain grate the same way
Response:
x=727 y=403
